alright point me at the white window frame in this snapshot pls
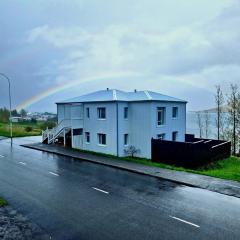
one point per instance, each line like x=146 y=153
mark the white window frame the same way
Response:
x=100 y=113
x=126 y=139
x=100 y=139
x=161 y=110
x=87 y=137
x=175 y=117
x=161 y=136
x=125 y=113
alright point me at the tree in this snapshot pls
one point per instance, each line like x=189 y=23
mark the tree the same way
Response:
x=200 y=123
x=233 y=121
x=219 y=100
x=15 y=113
x=131 y=151
x=4 y=115
x=23 y=113
x=206 y=123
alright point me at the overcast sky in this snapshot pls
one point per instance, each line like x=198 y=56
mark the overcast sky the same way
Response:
x=181 y=48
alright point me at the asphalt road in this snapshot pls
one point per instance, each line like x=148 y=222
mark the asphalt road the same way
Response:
x=73 y=199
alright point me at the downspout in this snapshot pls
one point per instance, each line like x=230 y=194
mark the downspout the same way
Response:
x=117 y=127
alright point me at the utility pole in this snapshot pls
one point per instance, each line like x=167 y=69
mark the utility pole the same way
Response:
x=10 y=104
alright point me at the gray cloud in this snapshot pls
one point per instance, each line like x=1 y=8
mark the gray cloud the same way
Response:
x=174 y=50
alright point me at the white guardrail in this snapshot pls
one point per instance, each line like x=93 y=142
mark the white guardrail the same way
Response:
x=51 y=134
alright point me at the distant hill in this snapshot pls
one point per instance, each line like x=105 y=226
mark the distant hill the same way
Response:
x=213 y=110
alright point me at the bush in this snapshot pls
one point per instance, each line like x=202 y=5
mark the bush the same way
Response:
x=48 y=124
x=2 y=202
x=28 y=129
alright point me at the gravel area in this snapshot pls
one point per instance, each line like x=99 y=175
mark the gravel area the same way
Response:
x=14 y=226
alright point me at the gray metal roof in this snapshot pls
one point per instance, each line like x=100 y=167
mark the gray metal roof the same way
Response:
x=110 y=95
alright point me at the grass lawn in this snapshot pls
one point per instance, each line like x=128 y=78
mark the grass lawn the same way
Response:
x=19 y=129
x=2 y=202
x=228 y=168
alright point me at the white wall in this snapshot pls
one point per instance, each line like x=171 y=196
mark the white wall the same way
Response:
x=123 y=127
x=95 y=126
x=140 y=127
x=171 y=124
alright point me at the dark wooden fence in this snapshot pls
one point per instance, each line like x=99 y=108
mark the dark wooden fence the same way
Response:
x=192 y=153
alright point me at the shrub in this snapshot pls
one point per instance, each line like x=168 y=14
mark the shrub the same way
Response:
x=28 y=129
x=48 y=124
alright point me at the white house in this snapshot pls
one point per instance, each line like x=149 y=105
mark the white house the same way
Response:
x=109 y=121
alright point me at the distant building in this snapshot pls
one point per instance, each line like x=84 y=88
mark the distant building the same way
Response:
x=16 y=119
x=110 y=121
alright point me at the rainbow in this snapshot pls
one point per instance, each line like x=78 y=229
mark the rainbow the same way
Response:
x=49 y=92
x=65 y=86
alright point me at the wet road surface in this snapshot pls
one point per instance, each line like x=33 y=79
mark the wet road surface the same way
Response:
x=73 y=199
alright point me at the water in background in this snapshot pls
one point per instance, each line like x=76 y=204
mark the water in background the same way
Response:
x=192 y=126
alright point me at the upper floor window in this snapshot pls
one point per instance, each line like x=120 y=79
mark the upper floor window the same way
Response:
x=101 y=113
x=126 y=113
x=174 y=136
x=102 y=139
x=88 y=112
x=161 y=136
x=161 y=112
x=174 y=112
x=87 y=137
x=126 y=139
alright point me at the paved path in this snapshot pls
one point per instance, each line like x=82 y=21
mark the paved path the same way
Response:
x=75 y=199
x=227 y=187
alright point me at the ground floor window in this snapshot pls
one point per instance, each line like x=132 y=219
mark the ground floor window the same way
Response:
x=77 y=131
x=87 y=137
x=126 y=139
x=102 y=139
x=174 y=136
x=161 y=136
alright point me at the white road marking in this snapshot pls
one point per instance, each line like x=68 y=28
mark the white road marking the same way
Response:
x=181 y=220
x=55 y=174
x=23 y=163
x=1 y=156
x=100 y=190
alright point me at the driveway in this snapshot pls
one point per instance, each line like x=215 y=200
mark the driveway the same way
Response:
x=73 y=199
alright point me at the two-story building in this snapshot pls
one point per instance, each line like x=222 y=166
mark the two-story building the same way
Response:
x=110 y=121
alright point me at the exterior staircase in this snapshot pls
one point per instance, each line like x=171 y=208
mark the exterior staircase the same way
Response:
x=50 y=135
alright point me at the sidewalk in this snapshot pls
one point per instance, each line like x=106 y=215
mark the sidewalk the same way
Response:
x=226 y=187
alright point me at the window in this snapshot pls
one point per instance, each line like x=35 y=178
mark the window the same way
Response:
x=87 y=137
x=102 y=139
x=88 y=112
x=161 y=112
x=126 y=113
x=161 y=136
x=101 y=113
x=125 y=139
x=77 y=131
x=174 y=112
x=174 y=136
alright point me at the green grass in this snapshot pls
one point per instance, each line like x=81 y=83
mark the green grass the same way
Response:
x=228 y=168
x=19 y=129
x=2 y=202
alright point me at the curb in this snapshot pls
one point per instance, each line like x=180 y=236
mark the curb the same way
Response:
x=115 y=166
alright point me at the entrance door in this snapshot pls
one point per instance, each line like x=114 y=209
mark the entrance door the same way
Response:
x=78 y=138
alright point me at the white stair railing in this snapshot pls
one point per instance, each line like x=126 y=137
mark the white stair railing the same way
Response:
x=51 y=134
